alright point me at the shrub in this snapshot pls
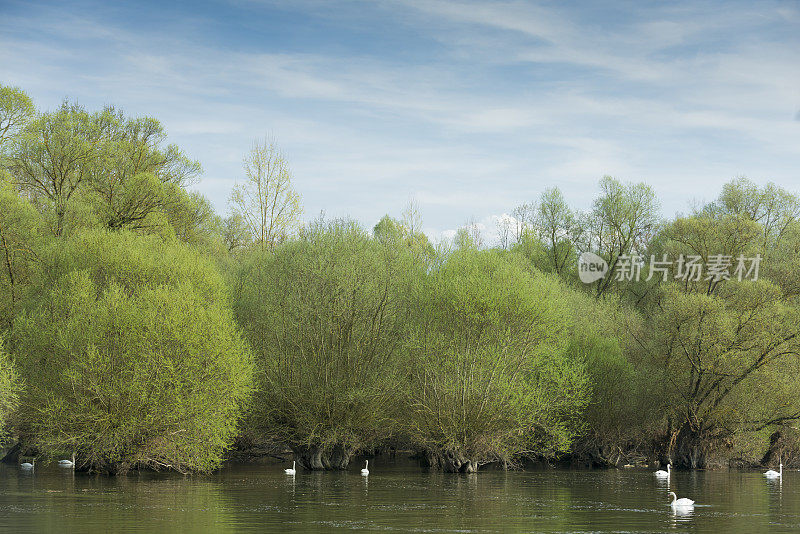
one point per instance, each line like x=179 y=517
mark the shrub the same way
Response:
x=132 y=357
x=324 y=315
x=488 y=375
x=9 y=389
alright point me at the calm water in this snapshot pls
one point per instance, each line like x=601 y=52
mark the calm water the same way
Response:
x=397 y=496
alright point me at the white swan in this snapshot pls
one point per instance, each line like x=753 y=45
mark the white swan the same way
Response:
x=662 y=473
x=291 y=470
x=774 y=474
x=365 y=471
x=67 y=463
x=680 y=503
x=26 y=465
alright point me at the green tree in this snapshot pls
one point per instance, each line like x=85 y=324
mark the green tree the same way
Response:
x=105 y=169
x=389 y=230
x=707 y=238
x=131 y=357
x=726 y=345
x=16 y=110
x=627 y=389
x=392 y=232
x=556 y=224
x=192 y=219
x=19 y=236
x=488 y=377
x=9 y=389
x=530 y=247
x=772 y=207
x=781 y=263
x=468 y=236
x=135 y=174
x=56 y=154
x=235 y=234
x=622 y=222
x=324 y=315
x=267 y=202
x=524 y=217
x=728 y=357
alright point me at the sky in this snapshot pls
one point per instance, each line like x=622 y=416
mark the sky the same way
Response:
x=468 y=108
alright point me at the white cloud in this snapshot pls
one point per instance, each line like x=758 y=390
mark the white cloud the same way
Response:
x=519 y=97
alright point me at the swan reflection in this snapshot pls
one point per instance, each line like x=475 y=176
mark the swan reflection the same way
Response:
x=681 y=514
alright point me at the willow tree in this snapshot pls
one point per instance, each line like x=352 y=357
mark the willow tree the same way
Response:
x=136 y=174
x=131 y=357
x=628 y=390
x=728 y=342
x=488 y=378
x=267 y=201
x=104 y=169
x=16 y=110
x=622 y=222
x=773 y=208
x=730 y=359
x=324 y=315
x=54 y=157
x=9 y=389
x=19 y=229
x=402 y=233
x=556 y=224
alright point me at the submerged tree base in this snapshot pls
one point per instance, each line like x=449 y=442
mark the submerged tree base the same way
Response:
x=320 y=458
x=449 y=461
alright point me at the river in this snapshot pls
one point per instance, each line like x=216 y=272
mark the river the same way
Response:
x=396 y=497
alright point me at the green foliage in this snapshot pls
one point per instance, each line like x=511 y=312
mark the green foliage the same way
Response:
x=626 y=396
x=235 y=234
x=698 y=364
x=727 y=347
x=782 y=262
x=731 y=358
x=10 y=386
x=324 y=315
x=623 y=220
x=56 y=154
x=102 y=169
x=394 y=233
x=772 y=207
x=135 y=175
x=19 y=236
x=16 y=109
x=125 y=337
x=267 y=203
x=534 y=251
x=131 y=357
x=489 y=378
x=557 y=226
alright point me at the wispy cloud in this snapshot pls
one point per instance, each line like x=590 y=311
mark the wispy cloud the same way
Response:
x=477 y=108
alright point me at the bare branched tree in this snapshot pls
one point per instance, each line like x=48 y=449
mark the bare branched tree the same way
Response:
x=523 y=220
x=267 y=201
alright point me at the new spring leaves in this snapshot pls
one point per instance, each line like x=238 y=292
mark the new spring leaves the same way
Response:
x=592 y=267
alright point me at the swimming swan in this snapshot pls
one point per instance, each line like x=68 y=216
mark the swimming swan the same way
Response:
x=774 y=474
x=67 y=463
x=662 y=473
x=680 y=503
x=27 y=465
x=291 y=470
x=365 y=471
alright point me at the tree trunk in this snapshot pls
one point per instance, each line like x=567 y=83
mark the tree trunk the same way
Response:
x=318 y=458
x=691 y=448
x=450 y=462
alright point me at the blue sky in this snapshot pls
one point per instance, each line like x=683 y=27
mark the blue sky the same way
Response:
x=471 y=108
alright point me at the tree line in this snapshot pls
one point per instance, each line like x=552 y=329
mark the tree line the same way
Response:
x=140 y=329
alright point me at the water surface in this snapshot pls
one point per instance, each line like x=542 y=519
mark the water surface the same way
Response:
x=396 y=497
